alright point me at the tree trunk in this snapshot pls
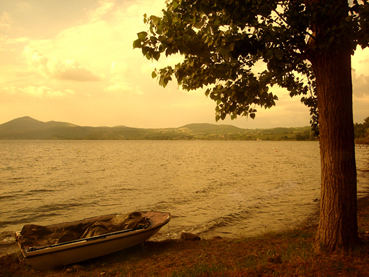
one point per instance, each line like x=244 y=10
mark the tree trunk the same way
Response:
x=338 y=204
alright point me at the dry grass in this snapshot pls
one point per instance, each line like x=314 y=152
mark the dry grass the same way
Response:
x=288 y=253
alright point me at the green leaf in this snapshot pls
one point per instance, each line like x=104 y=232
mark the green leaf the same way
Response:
x=154 y=19
x=137 y=43
x=142 y=35
x=156 y=55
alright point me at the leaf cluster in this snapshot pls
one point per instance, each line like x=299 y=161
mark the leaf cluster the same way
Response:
x=239 y=50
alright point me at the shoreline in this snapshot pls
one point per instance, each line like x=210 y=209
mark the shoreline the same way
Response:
x=283 y=253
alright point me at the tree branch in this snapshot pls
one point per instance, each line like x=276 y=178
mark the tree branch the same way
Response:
x=285 y=21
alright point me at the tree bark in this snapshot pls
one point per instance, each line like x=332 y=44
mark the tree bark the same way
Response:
x=338 y=204
x=332 y=69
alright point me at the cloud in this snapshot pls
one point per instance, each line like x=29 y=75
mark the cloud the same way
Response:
x=23 y=6
x=71 y=70
x=360 y=85
x=38 y=91
x=117 y=79
x=5 y=22
x=360 y=61
x=98 y=49
x=36 y=61
x=67 y=69
x=103 y=9
x=360 y=72
x=16 y=41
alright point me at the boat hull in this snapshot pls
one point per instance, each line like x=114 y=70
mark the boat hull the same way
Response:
x=85 y=249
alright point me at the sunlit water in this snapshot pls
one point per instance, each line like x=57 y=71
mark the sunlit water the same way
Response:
x=226 y=188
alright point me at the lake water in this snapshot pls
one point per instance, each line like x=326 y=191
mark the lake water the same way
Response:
x=226 y=188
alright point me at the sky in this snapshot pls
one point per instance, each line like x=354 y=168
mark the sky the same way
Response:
x=73 y=61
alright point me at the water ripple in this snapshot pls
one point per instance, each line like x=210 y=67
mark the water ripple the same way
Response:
x=210 y=187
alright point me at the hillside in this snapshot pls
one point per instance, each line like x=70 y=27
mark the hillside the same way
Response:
x=29 y=128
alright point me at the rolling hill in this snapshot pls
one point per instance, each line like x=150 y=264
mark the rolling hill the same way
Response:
x=29 y=128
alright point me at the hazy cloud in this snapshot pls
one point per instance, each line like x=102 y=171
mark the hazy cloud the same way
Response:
x=360 y=73
x=71 y=70
x=38 y=91
x=104 y=7
x=360 y=61
x=117 y=80
x=5 y=22
x=361 y=85
x=23 y=6
x=36 y=61
x=63 y=70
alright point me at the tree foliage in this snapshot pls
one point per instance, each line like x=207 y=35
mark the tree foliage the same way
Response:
x=362 y=129
x=239 y=50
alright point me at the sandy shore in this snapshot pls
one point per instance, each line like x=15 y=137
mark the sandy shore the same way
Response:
x=288 y=253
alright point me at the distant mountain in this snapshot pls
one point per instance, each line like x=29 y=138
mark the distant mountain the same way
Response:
x=21 y=124
x=29 y=128
x=27 y=122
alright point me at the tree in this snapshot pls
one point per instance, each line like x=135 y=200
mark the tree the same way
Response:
x=361 y=130
x=304 y=46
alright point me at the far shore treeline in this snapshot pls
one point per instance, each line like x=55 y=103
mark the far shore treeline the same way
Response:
x=29 y=128
x=362 y=132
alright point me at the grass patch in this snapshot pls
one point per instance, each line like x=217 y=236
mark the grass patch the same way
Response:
x=200 y=270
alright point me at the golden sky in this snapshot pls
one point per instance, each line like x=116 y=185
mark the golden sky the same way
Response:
x=73 y=61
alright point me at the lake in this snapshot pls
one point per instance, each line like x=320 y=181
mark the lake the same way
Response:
x=225 y=188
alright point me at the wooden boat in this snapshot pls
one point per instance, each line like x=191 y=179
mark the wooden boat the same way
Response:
x=68 y=252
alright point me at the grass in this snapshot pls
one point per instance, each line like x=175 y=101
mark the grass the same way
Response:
x=288 y=253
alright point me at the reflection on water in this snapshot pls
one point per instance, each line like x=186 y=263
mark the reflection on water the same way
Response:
x=227 y=188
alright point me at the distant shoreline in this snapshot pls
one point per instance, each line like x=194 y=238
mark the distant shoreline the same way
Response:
x=29 y=128
x=194 y=139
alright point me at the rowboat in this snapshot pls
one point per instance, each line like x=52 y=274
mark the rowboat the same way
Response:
x=43 y=249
